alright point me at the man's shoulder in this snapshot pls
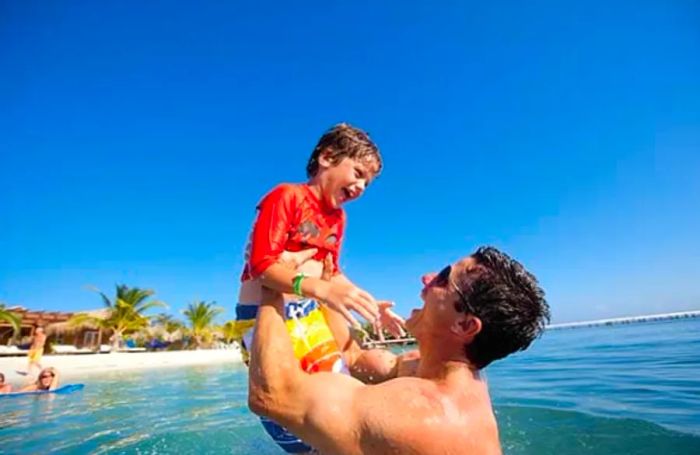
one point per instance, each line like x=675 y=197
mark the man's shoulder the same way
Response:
x=422 y=396
x=426 y=392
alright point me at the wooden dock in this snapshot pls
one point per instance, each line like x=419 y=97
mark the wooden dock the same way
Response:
x=387 y=343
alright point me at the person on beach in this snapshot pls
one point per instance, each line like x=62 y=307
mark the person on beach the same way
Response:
x=480 y=309
x=47 y=380
x=4 y=388
x=309 y=216
x=36 y=350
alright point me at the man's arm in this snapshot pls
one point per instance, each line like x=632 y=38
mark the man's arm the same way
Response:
x=371 y=366
x=319 y=408
x=332 y=412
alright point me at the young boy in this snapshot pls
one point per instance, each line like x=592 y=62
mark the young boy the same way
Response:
x=309 y=217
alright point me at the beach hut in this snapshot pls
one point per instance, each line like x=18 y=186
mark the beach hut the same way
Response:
x=83 y=335
x=29 y=321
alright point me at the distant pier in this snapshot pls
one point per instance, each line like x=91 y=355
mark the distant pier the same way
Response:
x=627 y=320
x=566 y=325
x=383 y=344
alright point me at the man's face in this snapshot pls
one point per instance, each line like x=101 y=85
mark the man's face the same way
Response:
x=439 y=297
x=346 y=180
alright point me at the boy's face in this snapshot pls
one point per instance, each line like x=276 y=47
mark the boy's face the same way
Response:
x=346 y=180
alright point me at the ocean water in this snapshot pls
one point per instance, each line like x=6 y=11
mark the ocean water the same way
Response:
x=630 y=389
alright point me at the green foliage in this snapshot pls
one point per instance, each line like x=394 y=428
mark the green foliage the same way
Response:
x=125 y=313
x=14 y=320
x=230 y=331
x=168 y=322
x=200 y=316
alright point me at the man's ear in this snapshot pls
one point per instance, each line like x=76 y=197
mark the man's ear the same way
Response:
x=466 y=326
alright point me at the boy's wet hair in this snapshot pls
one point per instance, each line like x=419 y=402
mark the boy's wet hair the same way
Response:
x=508 y=300
x=344 y=141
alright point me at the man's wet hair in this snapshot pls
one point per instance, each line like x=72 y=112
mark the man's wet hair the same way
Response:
x=509 y=302
x=2 y=377
x=345 y=141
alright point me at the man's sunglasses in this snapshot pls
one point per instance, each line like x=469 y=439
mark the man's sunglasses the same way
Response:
x=44 y=376
x=443 y=280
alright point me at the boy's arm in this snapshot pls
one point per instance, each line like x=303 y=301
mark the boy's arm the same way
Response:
x=386 y=319
x=276 y=214
x=342 y=297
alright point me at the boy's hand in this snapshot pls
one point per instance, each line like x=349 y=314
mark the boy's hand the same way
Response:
x=343 y=297
x=389 y=320
x=366 y=301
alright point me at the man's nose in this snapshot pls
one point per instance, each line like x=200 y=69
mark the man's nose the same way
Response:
x=427 y=278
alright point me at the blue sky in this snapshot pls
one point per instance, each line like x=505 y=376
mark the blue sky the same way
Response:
x=136 y=139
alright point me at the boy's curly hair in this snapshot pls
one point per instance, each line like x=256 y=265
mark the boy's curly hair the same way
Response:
x=344 y=141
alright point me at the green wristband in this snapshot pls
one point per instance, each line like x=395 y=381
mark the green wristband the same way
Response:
x=296 y=284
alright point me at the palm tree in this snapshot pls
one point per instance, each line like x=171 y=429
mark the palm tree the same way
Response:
x=168 y=323
x=124 y=314
x=230 y=331
x=14 y=320
x=200 y=315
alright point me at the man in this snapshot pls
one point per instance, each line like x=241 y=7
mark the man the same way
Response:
x=480 y=309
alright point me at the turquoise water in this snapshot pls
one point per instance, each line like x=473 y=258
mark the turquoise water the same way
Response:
x=632 y=389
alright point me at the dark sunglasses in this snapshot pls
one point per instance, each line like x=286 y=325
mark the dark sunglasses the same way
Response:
x=442 y=280
x=44 y=376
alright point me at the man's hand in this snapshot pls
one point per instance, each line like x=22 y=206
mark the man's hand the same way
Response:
x=294 y=259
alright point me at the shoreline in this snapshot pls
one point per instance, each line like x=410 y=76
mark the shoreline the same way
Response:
x=77 y=366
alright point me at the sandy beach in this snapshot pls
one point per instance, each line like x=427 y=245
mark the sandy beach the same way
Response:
x=77 y=366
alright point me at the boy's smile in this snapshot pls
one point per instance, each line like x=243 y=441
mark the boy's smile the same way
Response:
x=346 y=181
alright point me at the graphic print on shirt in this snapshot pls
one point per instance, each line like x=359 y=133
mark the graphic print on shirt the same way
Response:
x=291 y=218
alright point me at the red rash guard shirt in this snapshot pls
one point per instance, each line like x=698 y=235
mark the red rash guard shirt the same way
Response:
x=291 y=217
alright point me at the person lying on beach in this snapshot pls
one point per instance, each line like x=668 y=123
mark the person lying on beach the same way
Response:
x=480 y=309
x=4 y=388
x=47 y=380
